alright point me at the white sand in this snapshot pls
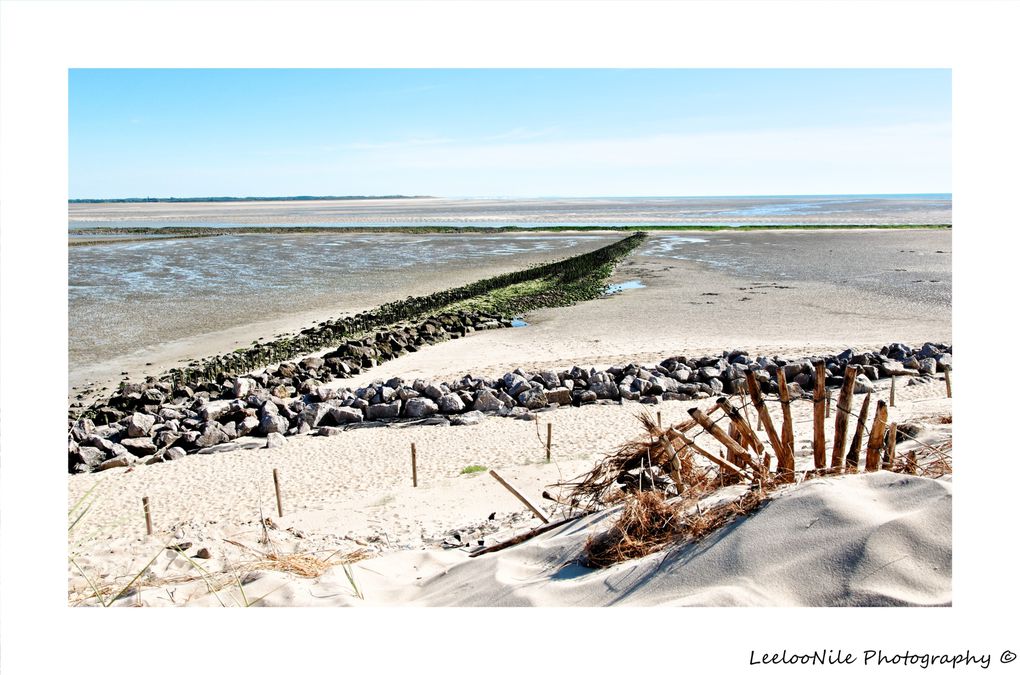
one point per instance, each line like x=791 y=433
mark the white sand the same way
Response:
x=353 y=492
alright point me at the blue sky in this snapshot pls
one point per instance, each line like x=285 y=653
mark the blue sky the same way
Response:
x=457 y=133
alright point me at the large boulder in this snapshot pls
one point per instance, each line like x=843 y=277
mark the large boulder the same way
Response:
x=419 y=407
x=139 y=447
x=212 y=434
x=450 y=403
x=533 y=398
x=139 y=424
x=486 y=401
x=559 y=395
x=384 y=410
x=273 y=423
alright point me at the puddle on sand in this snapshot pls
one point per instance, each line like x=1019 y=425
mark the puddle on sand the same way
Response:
x=624 y=286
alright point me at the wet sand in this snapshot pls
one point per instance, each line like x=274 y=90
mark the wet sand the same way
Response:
x=835 y=210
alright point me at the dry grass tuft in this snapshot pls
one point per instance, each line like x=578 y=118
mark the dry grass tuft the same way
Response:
x=306 y=565
x=649 y=523
x=662 y=463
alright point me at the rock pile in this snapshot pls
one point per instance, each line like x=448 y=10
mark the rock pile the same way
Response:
x=164 y=424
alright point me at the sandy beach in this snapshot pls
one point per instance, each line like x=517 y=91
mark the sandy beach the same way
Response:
x=351 y=495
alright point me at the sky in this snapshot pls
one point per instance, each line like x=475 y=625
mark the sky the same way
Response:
x=511 y=133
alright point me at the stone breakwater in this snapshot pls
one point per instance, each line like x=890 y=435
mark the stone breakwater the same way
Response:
x=168 y=423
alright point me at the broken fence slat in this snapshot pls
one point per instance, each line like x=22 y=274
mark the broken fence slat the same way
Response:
x=524 y=500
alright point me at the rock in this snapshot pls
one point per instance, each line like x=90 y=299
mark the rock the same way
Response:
x=559 y=395
x=213 y=410
x=944 y=361
x=895 y=369
x=707 y=373
x=212 y=434
x=468 y=418
x=275 y=440
x=348 y=415
x=384 y=410
x=89 y=456
x=533 y=398
x=870 y=372
x=604 y=390
x=271 y=423
x=243 y=386
x=434 y=392
x=329 y=431
x=170 y=454
x=486 y=401
x=319 y=414
x=420 y=407
x=549 y=379
x=927 y=366
x=588 y=397
x=450 y=403
x=140 y=447
x=82 y=429
x=247 y=425
x=139 y=425
x=862 y=385
x=115 y=462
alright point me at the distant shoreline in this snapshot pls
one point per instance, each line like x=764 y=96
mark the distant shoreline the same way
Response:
x=213 y=200
x=174 y=232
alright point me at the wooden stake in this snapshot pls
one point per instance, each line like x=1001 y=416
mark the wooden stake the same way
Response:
x=784 y=400
x=722 y=463
x=784 y=459
x=828 y=403
x=414 y=466
x=877 y=436
x=513 y=541
x=515 y=493
x=721 y=436
x=855 y=445
x=819 y=438
x=949 y=382
x=892 y=392
x=658 y=417
x=846 y=395
x=912 y=463
x=743 y=428
x=890 y=447
x=279 y=502
x=148 y=515
x=687 y=425
x=548 y=442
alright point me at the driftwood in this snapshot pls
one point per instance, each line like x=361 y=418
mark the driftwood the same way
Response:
x=524 y=500
x=719 y=461
x=542 y=529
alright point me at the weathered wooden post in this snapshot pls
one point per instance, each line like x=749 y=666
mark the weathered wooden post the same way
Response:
x=148 y=515
x=877 y=436
x=279 y=501
x=949 y=381
x=819 y=399
x=724 y=438
x=784 y=400
x=744 y=429
x=846 y=394
x=658 y=418
x=855 y=445
x=414 y=466
x=784 y=458
x=890 y=447
x=548 y=442
x=892 y=392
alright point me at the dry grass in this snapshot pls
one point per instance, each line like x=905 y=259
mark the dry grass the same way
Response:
x=660 y=454
x=649 y=523
x=308 y=565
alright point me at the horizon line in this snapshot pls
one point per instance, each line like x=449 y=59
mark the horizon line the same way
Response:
x=72 y=200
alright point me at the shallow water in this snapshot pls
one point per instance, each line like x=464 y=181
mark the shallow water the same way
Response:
x=127 y=297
